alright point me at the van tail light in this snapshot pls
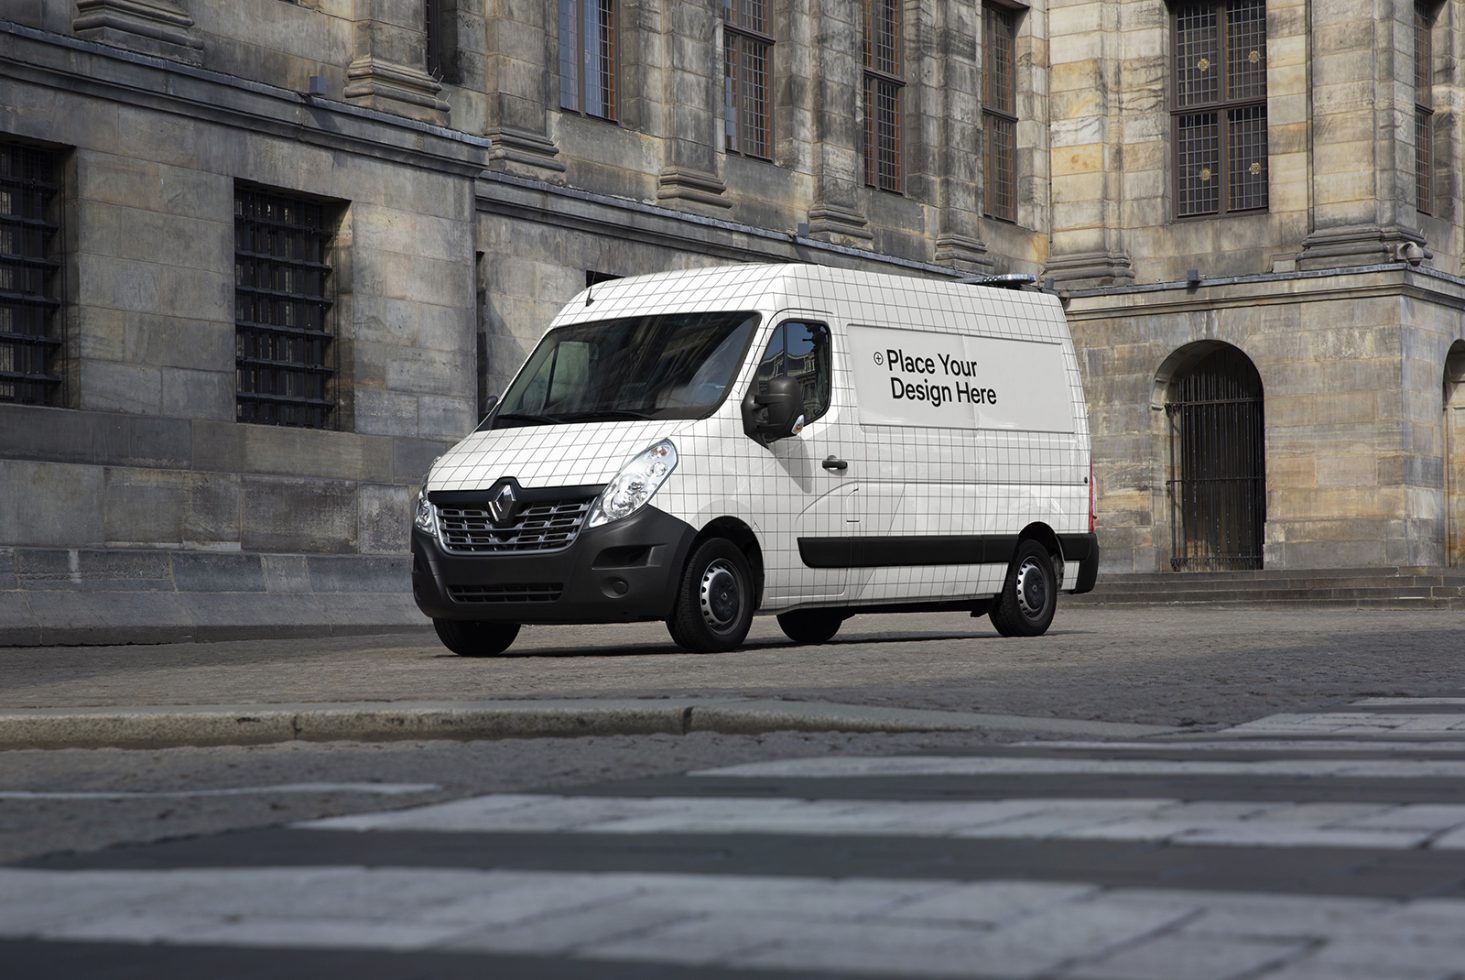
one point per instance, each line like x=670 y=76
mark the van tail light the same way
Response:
x=1093 y=512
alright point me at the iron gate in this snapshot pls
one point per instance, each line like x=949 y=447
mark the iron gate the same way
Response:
x=1217 y=465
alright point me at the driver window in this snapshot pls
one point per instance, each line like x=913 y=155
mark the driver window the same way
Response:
x=800 y=351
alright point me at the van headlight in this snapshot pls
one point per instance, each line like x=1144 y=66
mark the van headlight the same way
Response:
x=634 y=484
x=424 y=517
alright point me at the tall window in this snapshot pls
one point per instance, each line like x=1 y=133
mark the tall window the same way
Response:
x=440 y=21
x=588 y=57
x=285 y=351
x=883 y=84
x=999 y=112
x=1220 y=106
x=1423 y=107
x=747 y=65
x=29 y=272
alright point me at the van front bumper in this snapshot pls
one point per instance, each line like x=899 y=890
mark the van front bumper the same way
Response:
x=625 y=571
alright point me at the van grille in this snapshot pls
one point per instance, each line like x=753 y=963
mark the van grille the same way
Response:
x=547 y=526
x=547 y=592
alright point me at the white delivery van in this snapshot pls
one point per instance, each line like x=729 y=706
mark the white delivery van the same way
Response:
x=700 y=446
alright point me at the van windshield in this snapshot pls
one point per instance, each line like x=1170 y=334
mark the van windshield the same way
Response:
x=673 y=366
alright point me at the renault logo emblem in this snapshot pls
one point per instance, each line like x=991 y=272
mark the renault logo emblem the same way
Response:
x=501 y=504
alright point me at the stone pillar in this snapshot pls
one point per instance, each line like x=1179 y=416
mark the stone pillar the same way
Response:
x=1363 y=125
x=693 y=86
x=155 y=27
x=950 y=132
x=1087 y=150
x=522 y=73
x=388 y=68
x=835 y=215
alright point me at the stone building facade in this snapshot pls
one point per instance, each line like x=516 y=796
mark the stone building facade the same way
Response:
x=265 y=259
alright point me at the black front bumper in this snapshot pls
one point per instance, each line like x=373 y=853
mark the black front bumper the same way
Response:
x=625 y=571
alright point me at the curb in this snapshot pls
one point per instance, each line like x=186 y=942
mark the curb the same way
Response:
x=167 y=727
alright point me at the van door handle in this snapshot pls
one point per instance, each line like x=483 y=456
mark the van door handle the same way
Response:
x=835 y=463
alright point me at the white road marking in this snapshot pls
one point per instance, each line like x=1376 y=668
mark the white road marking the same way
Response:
x=377 y=789
x=846 y=925
x=1252 y=824
x=1411 y=702
x=1372 y=723
x=841 y=767
x=1294 y=746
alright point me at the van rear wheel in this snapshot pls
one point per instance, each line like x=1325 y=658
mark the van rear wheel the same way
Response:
x=1029 y=597
x=811 y=626
x=714 y=604
x=471 y=638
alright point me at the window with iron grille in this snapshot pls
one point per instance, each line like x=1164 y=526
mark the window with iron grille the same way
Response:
x=1423 y=108
x=1219 y=109
x=747 y=69
x=284 y=345
x=999 y=112
x=440 y=22
x=30 y=342
x=883 y=85
x=588 y=57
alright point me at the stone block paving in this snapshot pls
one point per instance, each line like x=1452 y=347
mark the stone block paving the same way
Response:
x=1293 y=848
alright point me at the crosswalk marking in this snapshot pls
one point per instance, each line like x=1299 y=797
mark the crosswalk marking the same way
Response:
x=1305 y=853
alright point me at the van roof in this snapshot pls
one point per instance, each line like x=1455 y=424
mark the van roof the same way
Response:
x=848 y=295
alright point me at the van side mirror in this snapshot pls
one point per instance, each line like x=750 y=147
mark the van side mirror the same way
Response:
x=774 y=413
x=491 y=403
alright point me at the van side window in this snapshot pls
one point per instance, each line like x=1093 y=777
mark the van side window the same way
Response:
x=800 y=351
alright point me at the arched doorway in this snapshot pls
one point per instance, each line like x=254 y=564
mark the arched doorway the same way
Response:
x=1217 y=483
x=1455 y=454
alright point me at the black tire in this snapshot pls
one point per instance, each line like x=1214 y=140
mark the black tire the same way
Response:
x=714 y=603
x=470 y=638
x=811 y=626
x=1029 y=597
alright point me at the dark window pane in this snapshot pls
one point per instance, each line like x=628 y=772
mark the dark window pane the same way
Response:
x=999 y=168
x=29 y=300
x=1246 y=43
x=1197 y=51
x=1248 y=151
x=284 y=351
x=1198 y=161
x=999 y=64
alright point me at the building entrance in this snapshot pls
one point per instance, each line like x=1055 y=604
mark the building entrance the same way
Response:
x=1217 y=483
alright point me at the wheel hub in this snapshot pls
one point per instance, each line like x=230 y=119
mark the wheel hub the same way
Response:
x=1032 y=589
x=720 y=595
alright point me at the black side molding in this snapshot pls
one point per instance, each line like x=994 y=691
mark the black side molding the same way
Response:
x=908 y=550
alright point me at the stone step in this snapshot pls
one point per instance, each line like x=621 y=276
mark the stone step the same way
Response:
x=1398 y=588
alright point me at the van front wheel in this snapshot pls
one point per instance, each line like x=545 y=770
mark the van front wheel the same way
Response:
x=469 y=638
x=714 y=605
x=1029 y=597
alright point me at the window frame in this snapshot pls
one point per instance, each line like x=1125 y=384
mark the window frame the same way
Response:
x=999 y=115
x=320 y=224
x=1222 y=108
x=35 y=356
x=440 y=27
x=1424 y=22
x=884 y=81
x=574 y=94
x=741 y=36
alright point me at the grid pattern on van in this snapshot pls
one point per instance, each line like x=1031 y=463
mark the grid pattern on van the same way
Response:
x=900 y=480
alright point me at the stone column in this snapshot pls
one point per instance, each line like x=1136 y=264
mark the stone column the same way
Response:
x=155 y=27
x=1087 y=150
x=388 y=67
x=951 y=133
x=693 y=85
x=522 y=73
x=835 y=215
x=1363 y=142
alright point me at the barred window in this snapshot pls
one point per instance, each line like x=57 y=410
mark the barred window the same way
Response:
x=1219 y=115
x=747 y=69
x=883 y=85
x=1423 y=107
x=999 y=112
x=588 y=63
x=284 y=346
x=30 y=342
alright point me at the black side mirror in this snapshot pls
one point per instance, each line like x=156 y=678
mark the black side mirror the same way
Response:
x=775 y=411
x=491 y=405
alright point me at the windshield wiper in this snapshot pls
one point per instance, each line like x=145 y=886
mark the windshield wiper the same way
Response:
x=608 y=415
x=528 y=417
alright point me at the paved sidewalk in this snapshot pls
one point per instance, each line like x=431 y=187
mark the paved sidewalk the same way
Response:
x=1097 y=671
